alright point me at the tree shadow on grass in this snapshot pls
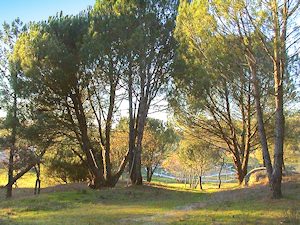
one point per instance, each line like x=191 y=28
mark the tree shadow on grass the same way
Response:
x=149 y=205
x=138 y=201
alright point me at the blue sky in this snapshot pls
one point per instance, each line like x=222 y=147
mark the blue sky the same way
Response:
x=36 y=10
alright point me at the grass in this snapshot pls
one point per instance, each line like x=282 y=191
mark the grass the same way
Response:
x=28 y=180
x=160 y=203
x=208 y=187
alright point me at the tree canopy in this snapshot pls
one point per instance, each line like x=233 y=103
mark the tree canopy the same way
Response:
x=78 y=89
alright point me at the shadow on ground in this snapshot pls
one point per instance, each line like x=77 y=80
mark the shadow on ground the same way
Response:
x=76 y=204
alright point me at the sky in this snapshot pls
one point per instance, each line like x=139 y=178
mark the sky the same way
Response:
x=36 y=10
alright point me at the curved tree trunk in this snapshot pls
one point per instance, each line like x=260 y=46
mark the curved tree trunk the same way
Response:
x=259 y=115
x=29 y=166
x=247 y=177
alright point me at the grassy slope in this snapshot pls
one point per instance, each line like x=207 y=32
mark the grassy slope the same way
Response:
x=155 y=204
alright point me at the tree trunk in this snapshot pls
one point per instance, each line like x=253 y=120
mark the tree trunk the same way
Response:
x=200 y=182
x=29 y=166
x=152 y=171
x=239 y=170
x=95 y=166
x=278 y=151
x=115 y=178
x=279 y=63
x=149 y=173
x=12 y=148
x=138 y=155
x=220 y=171
x=10 y=182
x=247 y=140
x=136 y=177
x=37 y=187
x=132 y=133
x=240 y=176
x=106 y=153
x=260 y=120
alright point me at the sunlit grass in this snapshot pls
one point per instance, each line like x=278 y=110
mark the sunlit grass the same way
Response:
x=28 y=180
x=207 y=187
x=160 y=203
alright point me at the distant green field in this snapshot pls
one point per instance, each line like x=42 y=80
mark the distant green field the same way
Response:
x=160 y=203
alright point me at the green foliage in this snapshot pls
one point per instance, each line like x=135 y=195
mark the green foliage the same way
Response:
x=61 y=164
x=197 y=155
x=159 y=140
x=292 y=145
x=69 y=74
x=10 y=74
x=49 y=53
x=115 y=7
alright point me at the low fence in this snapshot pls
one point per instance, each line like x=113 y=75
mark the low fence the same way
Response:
x=226 y=177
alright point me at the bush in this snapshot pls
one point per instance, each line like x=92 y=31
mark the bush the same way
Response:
x=64 y=165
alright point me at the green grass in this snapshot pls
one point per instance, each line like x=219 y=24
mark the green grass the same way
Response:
x=94 y=207
x=207 y=187
x=28 y=180
x=161 y=203
x=163 y=179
